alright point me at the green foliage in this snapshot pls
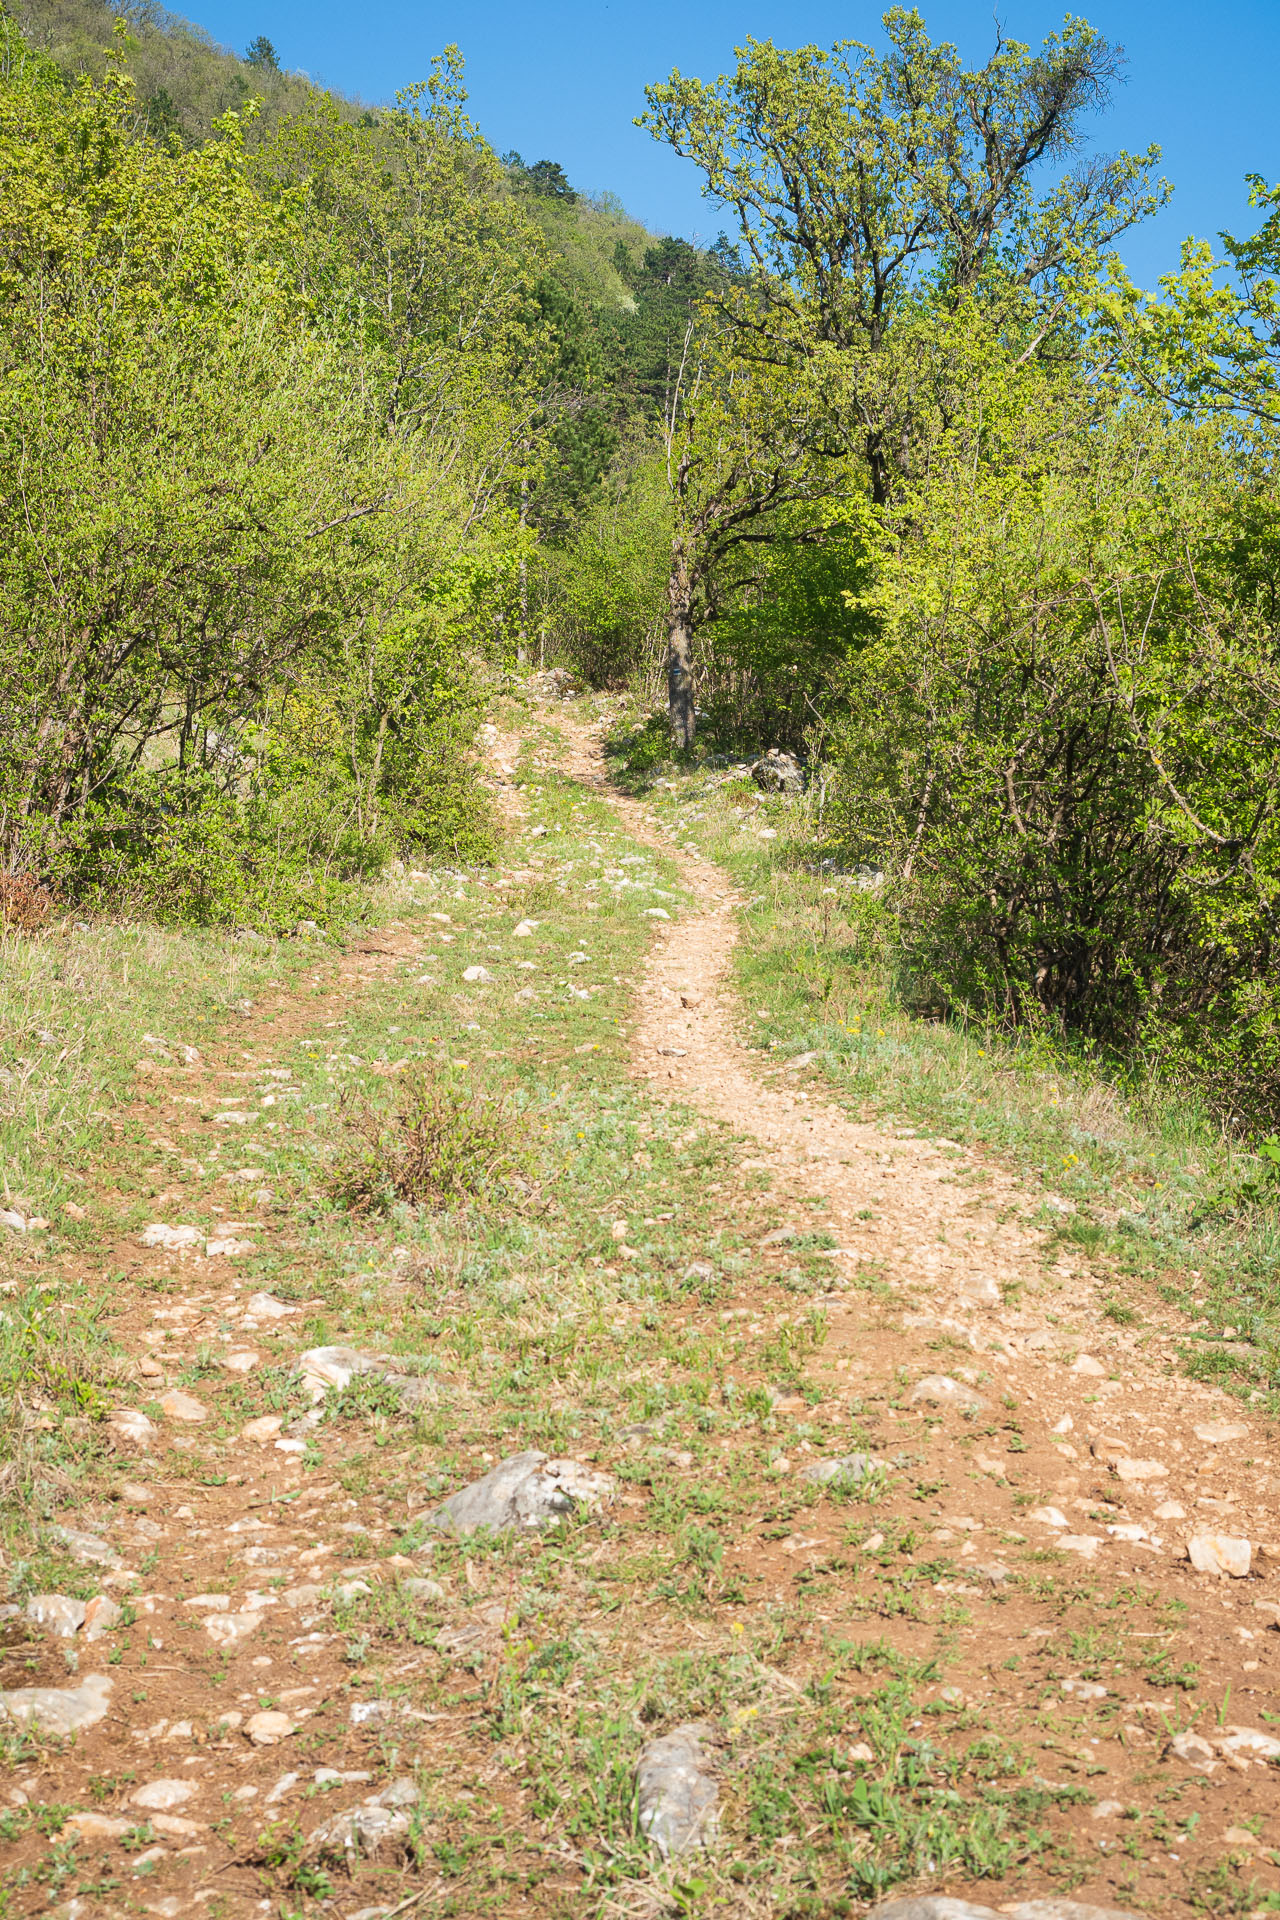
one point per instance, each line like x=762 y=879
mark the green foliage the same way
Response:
x=1060 y=741
x=253 y=517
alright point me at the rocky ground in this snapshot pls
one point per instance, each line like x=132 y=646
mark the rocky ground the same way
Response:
x=807 y=1540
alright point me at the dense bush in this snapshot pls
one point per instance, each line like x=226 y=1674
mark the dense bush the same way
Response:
x=1063 y=740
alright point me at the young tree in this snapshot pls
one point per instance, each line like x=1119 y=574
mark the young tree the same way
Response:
x=862 y=184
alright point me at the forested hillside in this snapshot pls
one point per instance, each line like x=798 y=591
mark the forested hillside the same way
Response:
x=319 y=414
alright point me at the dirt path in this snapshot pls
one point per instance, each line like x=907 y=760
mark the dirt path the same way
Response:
x=1096 y=1453
x=1051 y=1462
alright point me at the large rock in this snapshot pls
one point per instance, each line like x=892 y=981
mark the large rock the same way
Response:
x=527 y=1492
x=778 y=772
x=60 y=1710
x=676 y=1791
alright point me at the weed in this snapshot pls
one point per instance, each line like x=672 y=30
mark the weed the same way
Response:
x=440 y=1144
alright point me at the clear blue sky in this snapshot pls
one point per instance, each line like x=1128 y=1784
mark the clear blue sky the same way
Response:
x=563 y=80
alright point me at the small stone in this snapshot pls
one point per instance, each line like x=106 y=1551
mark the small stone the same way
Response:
x=1218 y=1432
x=1194 y=1750
x=676 y=1791
x=85 y=1548
x=1084 y=1689
x=265 y=1306
x=1240 y=1837
x=230 y=1721
x=428 y=1591
x=940 y=1390
x=130 y=1428
x=229 y=1629
x=268 y=1729
x=981 y=1290
x=1049 y=1517
x=239 y=1360
x=57 y=1613
x=136 y=1494
x=266 y=1427
x=162 y=1796
x=228 y=1248
x=1086 y=1364
x=1133 y=1471
x=1085 y=1544
x=1248 y=1743
x=60 y=1710
x=177 y=1405
x=477 y=976
x=172 y=1239
x=860 y=1753
x=285 y=1784
x=98 y=1826
x=850 y=1467
x=527 y=1491
x=1107 y=1810
x=1170 y=1510
x=308 y=1595
x=101 y=1616
x=525 y=928
x=1221 y=1553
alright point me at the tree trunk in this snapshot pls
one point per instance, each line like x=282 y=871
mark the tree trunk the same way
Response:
x=679 y=651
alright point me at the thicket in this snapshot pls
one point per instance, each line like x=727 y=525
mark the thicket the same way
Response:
x=290 y=386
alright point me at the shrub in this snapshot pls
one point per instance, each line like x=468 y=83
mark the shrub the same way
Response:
x=440 y=1144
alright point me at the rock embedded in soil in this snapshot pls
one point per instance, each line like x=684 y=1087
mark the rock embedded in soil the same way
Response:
x=172 y=1239
x=676 y=1791
x=1218 y=1432
x=527 y=1492
x=130 y=1428
x=940 y=1390
x=269 y=1728
x=177 y=1405
x=265 y=1428
x=162 y=1796
x=850 y=1466
x=60 y=1710
x=86 y=1548
x=58 y=1613
x=1221 y=1553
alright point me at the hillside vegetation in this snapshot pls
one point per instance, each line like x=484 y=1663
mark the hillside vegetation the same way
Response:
x=323 y=415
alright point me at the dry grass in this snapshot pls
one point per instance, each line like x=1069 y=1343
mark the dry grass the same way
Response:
x=438 y=1145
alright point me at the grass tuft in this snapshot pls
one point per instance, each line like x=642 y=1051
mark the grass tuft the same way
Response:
x=440 y=1144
